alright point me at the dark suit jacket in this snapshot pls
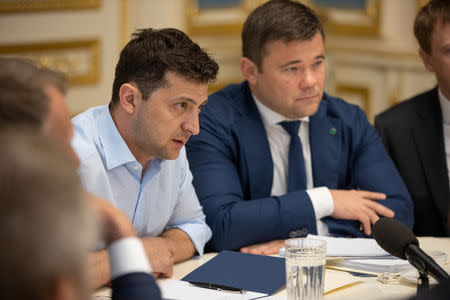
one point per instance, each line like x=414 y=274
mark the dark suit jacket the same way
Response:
x=232 y=167
x=135 y=286
x=413 y=135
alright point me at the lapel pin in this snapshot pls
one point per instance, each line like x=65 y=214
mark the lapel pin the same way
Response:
x=333 y=131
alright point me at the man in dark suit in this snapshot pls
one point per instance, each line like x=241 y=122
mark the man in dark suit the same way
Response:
x=258 y=182
x=416 y=132
x=49 y=205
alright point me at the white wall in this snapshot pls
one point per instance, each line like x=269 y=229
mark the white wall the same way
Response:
x=387 y=67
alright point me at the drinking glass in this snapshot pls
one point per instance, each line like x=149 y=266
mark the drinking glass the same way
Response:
x=305 y=268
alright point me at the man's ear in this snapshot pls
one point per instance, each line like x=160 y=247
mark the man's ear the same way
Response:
x=129 y=97
x=426 y=58
x=249 y=69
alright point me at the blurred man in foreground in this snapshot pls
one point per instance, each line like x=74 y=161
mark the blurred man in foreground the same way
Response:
x=32 y=97
x=47 y=227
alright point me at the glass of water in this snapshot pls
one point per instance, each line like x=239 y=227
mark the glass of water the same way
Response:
x=305 y=268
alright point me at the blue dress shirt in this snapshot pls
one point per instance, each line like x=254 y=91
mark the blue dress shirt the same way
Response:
x=164 y=198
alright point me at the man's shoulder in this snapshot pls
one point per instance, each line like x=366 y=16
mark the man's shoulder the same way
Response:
x=338 y=108
x=229 y=93
x=406 y=110
x=88 y=119
x=86 y=134
x=227 y=102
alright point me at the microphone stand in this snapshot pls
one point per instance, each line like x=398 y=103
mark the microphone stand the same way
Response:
x=423 y=283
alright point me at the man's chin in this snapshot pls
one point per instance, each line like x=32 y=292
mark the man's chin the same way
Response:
x=170 y=155
x=304 y=112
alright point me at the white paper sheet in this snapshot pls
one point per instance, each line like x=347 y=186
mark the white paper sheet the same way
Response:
x=182 y=290
x=343 y=247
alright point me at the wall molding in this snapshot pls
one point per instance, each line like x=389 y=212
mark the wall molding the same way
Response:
x=79 y=60
x=14 y=6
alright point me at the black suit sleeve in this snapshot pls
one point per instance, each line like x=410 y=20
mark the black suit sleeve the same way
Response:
x=135 y=286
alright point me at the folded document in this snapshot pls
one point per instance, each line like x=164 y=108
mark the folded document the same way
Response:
x=256 y=273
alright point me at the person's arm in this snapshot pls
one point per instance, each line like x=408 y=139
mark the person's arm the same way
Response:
x=116 y=225
x=128 y=264
x=180 y=244
x=347 y=205
x=186 y=232
x=158 y=252
x=130 y=271
x=373 y=170
x=99 y=269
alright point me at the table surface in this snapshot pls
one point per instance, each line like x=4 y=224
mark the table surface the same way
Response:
x=368 y=289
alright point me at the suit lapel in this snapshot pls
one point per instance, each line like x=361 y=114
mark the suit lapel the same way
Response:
x=428 y=133
x=255 y=145
x=325 y=134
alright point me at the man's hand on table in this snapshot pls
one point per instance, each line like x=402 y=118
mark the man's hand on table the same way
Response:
x=267 y=248
x=359 y=205
x=160 y=256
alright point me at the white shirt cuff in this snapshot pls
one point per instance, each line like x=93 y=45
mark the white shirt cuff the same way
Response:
x=322 y=201
x=127 y=256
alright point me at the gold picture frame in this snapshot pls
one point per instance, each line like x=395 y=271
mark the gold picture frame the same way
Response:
x=24 y=6
x=78 y=60
x=226 y=19
x=349 y=20
x=421 y=3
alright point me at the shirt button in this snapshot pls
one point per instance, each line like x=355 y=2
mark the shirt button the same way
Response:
x=292 y=234
x=136 y=168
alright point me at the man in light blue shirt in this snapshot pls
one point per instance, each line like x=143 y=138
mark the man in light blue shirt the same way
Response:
x=132 y=150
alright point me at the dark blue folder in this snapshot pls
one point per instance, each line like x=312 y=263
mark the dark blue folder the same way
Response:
x=256 y=273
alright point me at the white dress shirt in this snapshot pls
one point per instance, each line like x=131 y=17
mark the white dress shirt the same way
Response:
x=162 y=198
x=445 y=108
x=279 y=141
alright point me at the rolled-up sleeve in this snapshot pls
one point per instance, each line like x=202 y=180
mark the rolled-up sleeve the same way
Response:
x=188 y=214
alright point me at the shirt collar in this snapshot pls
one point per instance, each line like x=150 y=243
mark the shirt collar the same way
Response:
x=270 y=117
x=445 y=107
x=116 y=150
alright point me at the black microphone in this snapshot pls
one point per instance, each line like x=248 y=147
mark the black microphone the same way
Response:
x=396 y=238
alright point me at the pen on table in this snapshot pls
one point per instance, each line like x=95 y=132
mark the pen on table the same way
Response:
x=217 y=287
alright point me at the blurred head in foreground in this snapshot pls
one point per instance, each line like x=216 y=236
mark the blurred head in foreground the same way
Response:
x=45 y=223
x=32 y=96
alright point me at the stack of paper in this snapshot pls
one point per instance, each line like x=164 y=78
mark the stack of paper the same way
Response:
x=358 y=254
x=393 y=265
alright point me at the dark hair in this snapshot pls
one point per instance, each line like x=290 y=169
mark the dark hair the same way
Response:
x=277 y=20
x=152 y=52
x=426 y=19
x=23 y=101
